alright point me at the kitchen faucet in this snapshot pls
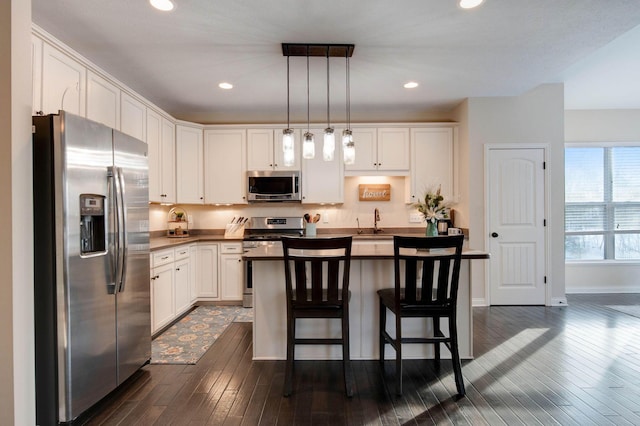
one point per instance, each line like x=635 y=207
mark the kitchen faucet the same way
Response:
x=376 y=218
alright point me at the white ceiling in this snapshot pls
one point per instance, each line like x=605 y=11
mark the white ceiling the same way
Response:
x=502 y=48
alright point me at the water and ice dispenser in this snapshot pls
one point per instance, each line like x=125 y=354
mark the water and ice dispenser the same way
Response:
x=93 y=234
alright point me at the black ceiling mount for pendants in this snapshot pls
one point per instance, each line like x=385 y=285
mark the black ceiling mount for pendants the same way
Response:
x=317 y=49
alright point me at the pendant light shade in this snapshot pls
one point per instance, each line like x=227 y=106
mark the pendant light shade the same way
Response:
x=348 y=147
x=308 y=146
x=329 y=146
x=288 y=136
x=288 y=141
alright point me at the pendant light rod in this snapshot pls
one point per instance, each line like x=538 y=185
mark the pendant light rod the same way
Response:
x=307 y=93
x=288 y=102
x=348 y=85
x=328 y=89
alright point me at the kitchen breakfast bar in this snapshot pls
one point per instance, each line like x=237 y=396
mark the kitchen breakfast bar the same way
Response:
x=371 y=270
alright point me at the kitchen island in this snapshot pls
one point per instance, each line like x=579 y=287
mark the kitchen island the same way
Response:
x=371 y=270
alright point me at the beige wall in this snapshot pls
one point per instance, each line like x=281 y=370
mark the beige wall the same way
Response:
x=393 y=213
x=610 y=125
x=584 y=126
x=536 y=117
x=17 y=388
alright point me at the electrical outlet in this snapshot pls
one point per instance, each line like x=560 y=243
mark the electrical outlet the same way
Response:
x=415 y=218
x=325 y=217
x=191 y=219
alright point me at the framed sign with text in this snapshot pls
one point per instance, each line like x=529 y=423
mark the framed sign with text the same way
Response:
x=374 y=192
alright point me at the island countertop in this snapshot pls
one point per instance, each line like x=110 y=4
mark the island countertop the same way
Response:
x=363 y=250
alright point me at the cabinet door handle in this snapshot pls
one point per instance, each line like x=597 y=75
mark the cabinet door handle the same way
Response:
x=177 y=269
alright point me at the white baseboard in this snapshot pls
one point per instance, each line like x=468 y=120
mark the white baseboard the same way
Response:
x=479 y=301
x=559 y=301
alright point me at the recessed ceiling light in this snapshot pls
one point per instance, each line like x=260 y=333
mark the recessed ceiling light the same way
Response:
x=225 y=85
x=410 y=85
x=164 y=5
x=470 y=4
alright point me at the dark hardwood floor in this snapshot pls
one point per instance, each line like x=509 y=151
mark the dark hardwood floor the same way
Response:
x=574 y=365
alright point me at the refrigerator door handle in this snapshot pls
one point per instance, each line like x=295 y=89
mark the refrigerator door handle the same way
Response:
x=122 y=227
x=113 y=226
x=119 y=249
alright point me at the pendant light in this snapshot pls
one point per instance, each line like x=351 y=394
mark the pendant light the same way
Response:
x=308 y=144
x=329 y=146
x=348 y=146
x=288 y=137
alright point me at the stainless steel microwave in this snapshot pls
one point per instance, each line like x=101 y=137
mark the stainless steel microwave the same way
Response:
x=273 y=186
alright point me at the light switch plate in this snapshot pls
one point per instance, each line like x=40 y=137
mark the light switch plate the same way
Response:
x=415 y=218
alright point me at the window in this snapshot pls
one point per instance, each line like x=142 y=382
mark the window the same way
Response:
x=602 y=203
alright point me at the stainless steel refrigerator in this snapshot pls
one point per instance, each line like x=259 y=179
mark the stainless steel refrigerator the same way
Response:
x=92 y=288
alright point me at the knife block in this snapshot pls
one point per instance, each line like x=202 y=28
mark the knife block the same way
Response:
x=234 y=230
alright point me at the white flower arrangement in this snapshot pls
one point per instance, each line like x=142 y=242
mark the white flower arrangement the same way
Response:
x=434 y=207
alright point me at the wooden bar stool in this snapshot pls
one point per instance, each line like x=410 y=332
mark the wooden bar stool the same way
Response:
x=427 y=270
x=317 y=284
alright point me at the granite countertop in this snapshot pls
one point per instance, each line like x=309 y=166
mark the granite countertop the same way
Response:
x=159 y=243
x=164 y=242
x=358 y=251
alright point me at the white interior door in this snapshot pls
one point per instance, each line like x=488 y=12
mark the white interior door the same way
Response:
x=516 y=226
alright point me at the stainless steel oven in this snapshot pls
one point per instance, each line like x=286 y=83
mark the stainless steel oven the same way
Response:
x=263 y=231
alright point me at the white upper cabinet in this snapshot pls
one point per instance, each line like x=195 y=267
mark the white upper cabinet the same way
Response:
x=63 y=82
x=133 y=117
x=189 y=165
x=323 y=181
x=264 y=150
x=381 y=151
x=366 y=142
x=162 y=174
x=224 y=166
x=432 y=163
x=103 y=101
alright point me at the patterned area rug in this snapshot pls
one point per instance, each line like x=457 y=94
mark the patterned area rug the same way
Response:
x=633 y=310
x=188 y=339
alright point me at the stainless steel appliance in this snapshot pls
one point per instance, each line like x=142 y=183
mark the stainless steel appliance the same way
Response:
x=273 y=186
x=262 y=231
x=92 y=299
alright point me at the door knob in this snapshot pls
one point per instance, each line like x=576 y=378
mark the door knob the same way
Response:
x=494 y=234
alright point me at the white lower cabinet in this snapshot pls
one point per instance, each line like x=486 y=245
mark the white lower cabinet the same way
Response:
x=162 y=289
x=231 y=271
x=207 y=271
x=182 y=289
x=190 y=273
x=193 y=272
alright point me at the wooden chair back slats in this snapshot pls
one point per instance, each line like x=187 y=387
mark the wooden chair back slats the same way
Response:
x=301 y=281
x=427 y=270
x=427 y=280
x=319 y=288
